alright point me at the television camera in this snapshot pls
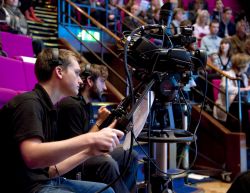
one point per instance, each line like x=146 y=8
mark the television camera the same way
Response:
x=162 y=63
x=154 y=55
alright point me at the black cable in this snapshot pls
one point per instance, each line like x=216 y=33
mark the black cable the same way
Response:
x=131 y=94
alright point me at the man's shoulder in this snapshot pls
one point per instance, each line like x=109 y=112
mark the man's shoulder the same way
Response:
x=21 y=101
x=24 y=97
x=70 y=101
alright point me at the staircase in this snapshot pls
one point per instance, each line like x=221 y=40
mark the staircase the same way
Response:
x=48 y=30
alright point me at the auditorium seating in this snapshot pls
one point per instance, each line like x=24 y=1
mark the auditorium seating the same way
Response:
x=216 y=87
x=16 y=76
x=16 y=44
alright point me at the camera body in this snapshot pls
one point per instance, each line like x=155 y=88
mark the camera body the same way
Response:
x=154 y=51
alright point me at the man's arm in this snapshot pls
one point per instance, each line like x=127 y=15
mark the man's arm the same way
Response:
x=68 y=153
x=103 y=113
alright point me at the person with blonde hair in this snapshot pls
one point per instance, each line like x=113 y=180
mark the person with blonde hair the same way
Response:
x=240 y=64
x=201 y=26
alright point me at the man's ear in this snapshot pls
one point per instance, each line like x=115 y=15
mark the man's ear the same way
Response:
x=59 y=71
x=90 y=82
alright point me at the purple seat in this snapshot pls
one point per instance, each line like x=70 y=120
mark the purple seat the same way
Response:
x=216 y=87
x=12 y=74
x=17 y=44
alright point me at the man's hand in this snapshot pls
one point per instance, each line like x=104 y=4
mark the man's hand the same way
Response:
x=105 y=140
x=103 y=113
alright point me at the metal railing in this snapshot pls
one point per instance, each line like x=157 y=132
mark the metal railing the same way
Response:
x=228 y=77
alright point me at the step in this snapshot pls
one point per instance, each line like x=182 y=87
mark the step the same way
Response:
x=42 y=33
x=47 y=12
x=44 y=38
x=51 y=45
x=42 y=24
x=33 y=27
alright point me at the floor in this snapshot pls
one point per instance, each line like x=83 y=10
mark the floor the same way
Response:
x=214 y=187
x=195 y=186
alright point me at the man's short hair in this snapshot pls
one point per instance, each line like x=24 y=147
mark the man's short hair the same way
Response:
x=214 y=21
x=227 y=9
x=47 y=60
x=95 y=71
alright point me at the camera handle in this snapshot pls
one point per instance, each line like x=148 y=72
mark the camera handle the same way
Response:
x=120 y=113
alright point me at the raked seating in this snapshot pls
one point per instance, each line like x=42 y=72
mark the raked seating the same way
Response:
x=16 y=77
x=16 y=44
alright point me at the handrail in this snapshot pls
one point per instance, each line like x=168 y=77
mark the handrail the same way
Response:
x=102 y=61
x=114 y=90
x=227 y=97
x=107 y=48
x=130 y=14
x=221 y=72
x=95 y=22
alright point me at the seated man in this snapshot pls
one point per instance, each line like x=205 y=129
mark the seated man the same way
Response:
x=34 y=160
x=74 y=115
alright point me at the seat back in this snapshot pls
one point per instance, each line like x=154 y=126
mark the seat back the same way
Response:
x=12 y=74
x=17 y=44
x=216 y=87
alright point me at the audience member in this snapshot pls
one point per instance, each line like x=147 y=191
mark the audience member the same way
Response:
x=240 y=63
x=218 y=10
x=194 y=7
x=74 y=114
x=211 y=42
x=222 y=59
x=113 y=11
x=201 y=26
x=34 y=160
x=247 y=51
x=156 y=16
x=177 y=19
x=238 y=40
x=18 y=24
x=153 y=12
x=130 y=23
x=227 y=27
x=191 y=46
x=27 y=8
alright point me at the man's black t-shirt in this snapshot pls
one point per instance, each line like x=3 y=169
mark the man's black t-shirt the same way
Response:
x=26 y=116
x=73 y=117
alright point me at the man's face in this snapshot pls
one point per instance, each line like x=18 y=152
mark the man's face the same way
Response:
x=135 y=10
x=227 y=15
x=219 y=5
x=98 y=88
x=214 y=28
x=71 y=80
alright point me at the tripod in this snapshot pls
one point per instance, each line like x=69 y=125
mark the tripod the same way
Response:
x=163 y=143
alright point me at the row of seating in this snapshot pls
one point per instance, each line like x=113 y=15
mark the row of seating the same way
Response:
x=16 y=44
x=16 y=76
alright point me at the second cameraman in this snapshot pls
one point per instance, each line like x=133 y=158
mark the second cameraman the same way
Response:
x=74 y=114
